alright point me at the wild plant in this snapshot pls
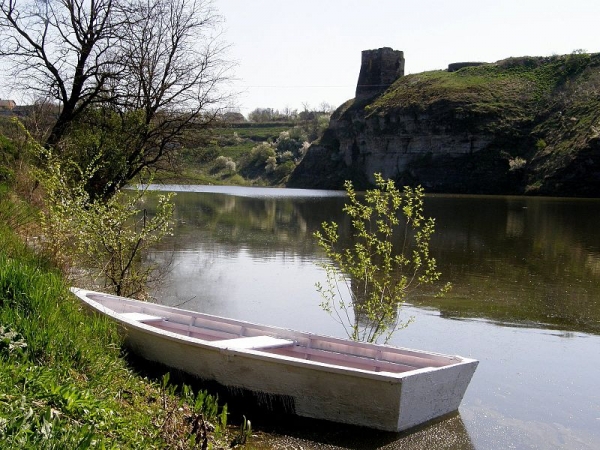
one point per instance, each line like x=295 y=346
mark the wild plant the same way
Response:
x=101 y=238
x=368 y=281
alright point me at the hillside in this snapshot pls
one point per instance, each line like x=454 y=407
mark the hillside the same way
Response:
x=244 y=153
x=528 y=125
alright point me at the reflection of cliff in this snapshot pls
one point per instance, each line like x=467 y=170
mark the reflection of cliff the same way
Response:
x=519 y=260
x=510 y=259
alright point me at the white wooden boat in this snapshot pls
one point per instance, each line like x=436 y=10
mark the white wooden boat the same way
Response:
x=376 y=386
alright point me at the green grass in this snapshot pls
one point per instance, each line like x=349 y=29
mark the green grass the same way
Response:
x=476 y=89
x=255 y=132
x=237 y=151
x=499 y=85
x=64 y=379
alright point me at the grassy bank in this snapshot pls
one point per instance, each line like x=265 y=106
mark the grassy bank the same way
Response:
x=65 y=381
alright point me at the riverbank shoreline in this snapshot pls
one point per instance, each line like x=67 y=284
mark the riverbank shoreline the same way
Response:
x=66 y=379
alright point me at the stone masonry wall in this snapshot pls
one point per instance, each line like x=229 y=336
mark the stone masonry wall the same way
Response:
x=379 y=69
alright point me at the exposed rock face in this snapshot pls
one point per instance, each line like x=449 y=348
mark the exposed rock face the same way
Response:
x=387 y=144
x=531 y=126
x=400 y=145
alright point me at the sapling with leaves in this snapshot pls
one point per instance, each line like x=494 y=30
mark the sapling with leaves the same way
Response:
x=105 y=238
x=368 y=281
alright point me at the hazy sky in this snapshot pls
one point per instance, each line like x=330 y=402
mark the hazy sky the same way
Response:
x=308 y=51
x=291 y=53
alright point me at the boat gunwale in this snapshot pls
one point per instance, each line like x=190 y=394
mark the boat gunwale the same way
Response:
x=266 y=354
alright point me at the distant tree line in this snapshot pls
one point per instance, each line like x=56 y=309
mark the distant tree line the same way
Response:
x=259 y=115
x=312 y=120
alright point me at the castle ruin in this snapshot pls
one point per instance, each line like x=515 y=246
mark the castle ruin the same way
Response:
x=379 y=69
x=460 y=65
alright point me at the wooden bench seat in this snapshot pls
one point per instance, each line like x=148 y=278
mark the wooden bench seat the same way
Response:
x=254 y=342
x=141 y=317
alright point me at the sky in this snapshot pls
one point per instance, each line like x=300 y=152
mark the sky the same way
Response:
x=291 y=54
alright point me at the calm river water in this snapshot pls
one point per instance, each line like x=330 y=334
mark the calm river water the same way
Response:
x=525 y=302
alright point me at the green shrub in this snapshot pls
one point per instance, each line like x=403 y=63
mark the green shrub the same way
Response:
x=260 y=154
x=284 y=169
x=7 y=148
x=8 y=155
x=6 y=175
x=375 y=275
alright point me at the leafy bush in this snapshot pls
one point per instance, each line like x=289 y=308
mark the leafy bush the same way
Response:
x=230 y=166
x=516 y=163
x=291 y=141
x=100 y=237
x=377 y=278
x=284 y=169
x=8 y=149
x=271 y=164
x=6 y=175
x=260 y=154
x=8 y=154
x=286 y=156
x=106 y=237
x=224 y=163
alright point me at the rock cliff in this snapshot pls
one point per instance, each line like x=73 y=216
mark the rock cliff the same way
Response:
x=528 y=125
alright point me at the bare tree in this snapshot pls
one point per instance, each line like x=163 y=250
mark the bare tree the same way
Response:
x=171 y=70
x=59 y=48
x=143 y=70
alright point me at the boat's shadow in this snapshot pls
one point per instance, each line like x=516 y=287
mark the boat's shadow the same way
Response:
x=274 y=426
x=285 y=431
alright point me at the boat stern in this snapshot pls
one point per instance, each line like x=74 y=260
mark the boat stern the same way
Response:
x=431 y=393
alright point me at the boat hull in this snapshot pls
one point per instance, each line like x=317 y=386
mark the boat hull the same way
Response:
x=376 y=399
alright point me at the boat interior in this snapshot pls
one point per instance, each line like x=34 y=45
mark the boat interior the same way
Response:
x=233 y=334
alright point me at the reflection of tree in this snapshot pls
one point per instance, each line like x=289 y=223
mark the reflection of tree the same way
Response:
x=261 y=225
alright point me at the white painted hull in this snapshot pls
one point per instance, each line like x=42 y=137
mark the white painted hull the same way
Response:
x=369 y=385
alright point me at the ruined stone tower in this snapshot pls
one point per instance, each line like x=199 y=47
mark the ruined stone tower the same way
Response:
x=379 y=69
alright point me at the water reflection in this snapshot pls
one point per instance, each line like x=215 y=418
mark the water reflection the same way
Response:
x=525 y=260
x=511 y=260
